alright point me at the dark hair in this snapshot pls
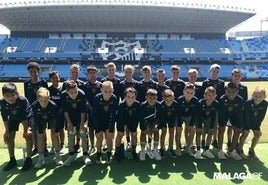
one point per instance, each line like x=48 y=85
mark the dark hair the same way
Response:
x=52 y=73
x=33 y=65
x=71 y=84
x=131 y=90
x=231 y=85
x=9 y=88
x=92 y=68
x=189 y=86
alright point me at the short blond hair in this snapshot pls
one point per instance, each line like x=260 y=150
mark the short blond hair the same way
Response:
x=75 y=66
x=111 y=64
x=128 y=67
x=43 y=92
x=167 y=93
x=191 y=71
x=146 y=68
x=108 y=84
x=259 y=89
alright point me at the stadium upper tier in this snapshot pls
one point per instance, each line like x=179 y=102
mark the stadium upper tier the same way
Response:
x=140 y=47
x=138 y=16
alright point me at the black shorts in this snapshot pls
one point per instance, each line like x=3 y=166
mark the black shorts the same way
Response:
x=104 y=126
x=233 y=121
x=60 y=122
x=149 y=125
x=132 y=126
x=13 y=125
x=207 y=124
x=50 y=124
x=168 y=124
x=252 y=126
x=90 y=119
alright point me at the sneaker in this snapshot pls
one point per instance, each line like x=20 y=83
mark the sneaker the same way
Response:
x=62 y=149
x=234 y=155
x=156 y=154
x=251 y=153
x=104 y=149
x=52 y=150
x=128 y=147
x=27 y=164
x=109 y=158
x=203 y=144
x=142 y=155
x=39 y=163
x=150 y=153
x=178 y=152
x=117 y=157
x=215 y=144
x=11 y=164
x=91 y=150
x=189 y=153
x=98 y=158
x=86 y=160
x=58 y=161
x=77 y=149
x=134 y=155
x=172 y=153
x=221 y=155
x=197 y=155
x=208 y=154
x=241 y=153
x=162 y=153
x=35 y=151
x=69 y=160
x=46 y=152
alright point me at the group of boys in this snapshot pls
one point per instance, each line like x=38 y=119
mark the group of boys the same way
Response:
x=94 y=109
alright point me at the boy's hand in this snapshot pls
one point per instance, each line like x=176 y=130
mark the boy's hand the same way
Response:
x=27 y=133
x=70 y=127
x=6 y=137
x=83 y=126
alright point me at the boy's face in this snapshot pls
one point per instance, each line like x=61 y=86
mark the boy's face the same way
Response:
x=111 y=71
x=55 y=79
x=92 y=75
x=129 y=73
x=231 y=93
x=214 y=73
x=151 y=99
x=189 y=93
x=130 y=98
x=168 y=100
x=107 y=92
x=43 y=101
x=74 y=73
x=236 y=77
x=258 y=97
x=72 y=93
x=33 y=73
x=175 y=73
x=161 y=77
x=146 y=74
x=10 y=97
x=192 y=77
x=210 y=96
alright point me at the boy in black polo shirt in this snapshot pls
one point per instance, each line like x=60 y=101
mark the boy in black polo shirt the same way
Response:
x=150 y=119
x=15 y=109
x=74 y=105
x=254 y=113
x=169 y=112
x=230 y=110
x=175 y=83
x=161 y=86
x=128 y=114
x=44 y=114
x=188 y=115
x=105 y=107
x=91 y=88
x=30 y=88
x=207 y=109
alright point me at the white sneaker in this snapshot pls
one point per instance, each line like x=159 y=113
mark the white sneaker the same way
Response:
x=178 y=152
x=142 y=155
x=197 y=155
x=234 y=155
x=86 y=160
x=69 y=160
x=221 y=154
x=62 y=149
x=39 y=163
x=208 y=154
x=150 y=153
x=128 y=147
x=58 y=161
x=156 y=155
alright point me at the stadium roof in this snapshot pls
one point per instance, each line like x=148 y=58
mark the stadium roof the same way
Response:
x=135 y=16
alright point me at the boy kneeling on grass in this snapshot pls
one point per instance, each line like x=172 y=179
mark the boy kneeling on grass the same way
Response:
x=254 y=113
x=15 y=109
x=45 y=116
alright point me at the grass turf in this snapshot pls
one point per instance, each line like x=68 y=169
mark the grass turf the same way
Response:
x=183 y=170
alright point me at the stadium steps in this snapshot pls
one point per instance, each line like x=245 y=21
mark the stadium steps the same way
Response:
x=39 y=46
x=20 y=48
x=244 y=45
x=62 y=44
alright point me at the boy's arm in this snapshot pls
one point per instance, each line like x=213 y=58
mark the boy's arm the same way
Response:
x=6 y=134
x=83 y=124
x=25 y=124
